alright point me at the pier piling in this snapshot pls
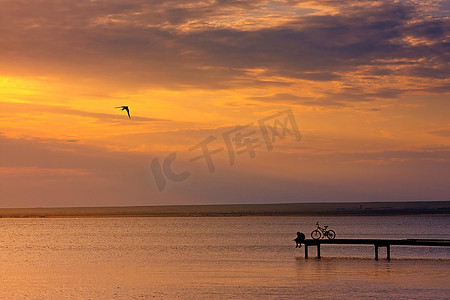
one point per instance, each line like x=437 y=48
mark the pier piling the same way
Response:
x=377 y=244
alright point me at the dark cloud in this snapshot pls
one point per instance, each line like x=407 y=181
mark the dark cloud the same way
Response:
x=87 y=176
x=432 y=29
x=395 y=155
x=440 y=132
x=280 y=97
x=293 y=99
x=320 y=47
x=445 y=88
x=358 y=94
x=104 y=117
x=144 y=43
x=344 y=98
x=432 y=73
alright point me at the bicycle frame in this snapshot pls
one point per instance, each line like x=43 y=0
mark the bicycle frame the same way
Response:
x=324 y=232
x=322 y=229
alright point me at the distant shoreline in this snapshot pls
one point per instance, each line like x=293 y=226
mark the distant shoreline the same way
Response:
x=435 y=208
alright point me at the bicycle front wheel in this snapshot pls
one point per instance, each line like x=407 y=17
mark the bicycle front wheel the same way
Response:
x=316 y=234
x=331 y=234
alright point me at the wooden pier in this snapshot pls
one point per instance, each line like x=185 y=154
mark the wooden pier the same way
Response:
x=376 y=242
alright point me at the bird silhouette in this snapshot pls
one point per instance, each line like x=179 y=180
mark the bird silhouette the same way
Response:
x=124 y=107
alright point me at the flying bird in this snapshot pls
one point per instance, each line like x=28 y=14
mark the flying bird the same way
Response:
x=124 y=107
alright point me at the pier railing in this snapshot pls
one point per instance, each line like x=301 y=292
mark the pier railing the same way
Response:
x=376 y=242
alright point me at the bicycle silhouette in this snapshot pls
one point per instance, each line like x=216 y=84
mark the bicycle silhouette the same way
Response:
x=322 y=232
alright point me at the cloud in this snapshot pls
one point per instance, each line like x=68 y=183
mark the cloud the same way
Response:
x=332 y=54
x=14 y=107
x=40 y=172
x=440 y=132
x=344 y=98
x=289 y=98
x=438 y=154
x=49 y=172
x=156 y=44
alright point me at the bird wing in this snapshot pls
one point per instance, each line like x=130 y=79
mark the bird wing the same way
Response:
x=128 y=112
x=119 y=107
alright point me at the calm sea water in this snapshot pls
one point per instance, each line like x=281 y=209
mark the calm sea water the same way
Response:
x=233 y=258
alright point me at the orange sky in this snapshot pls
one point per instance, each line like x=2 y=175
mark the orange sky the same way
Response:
x=367 y=82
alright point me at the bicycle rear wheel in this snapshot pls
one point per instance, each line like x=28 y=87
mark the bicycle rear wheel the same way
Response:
x=316 y=234
x=331 y=234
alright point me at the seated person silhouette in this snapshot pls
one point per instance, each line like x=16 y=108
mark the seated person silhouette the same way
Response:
x=299 y=239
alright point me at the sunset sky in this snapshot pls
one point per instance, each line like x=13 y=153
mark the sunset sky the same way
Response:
x=367 y=82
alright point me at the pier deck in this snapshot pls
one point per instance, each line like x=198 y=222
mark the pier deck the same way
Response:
x=376 y=242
